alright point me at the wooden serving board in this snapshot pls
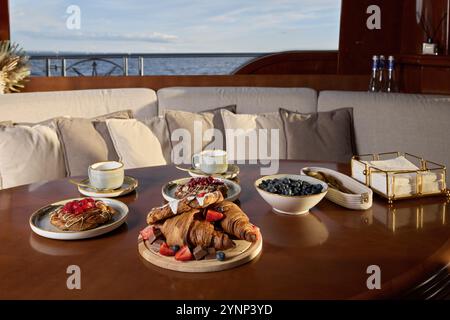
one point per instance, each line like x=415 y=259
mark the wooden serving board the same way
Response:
x=242 y=253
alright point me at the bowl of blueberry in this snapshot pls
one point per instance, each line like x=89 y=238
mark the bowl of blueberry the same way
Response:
x=291 y=193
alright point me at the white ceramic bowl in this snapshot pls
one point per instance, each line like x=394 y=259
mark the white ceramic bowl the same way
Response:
x=293 y=205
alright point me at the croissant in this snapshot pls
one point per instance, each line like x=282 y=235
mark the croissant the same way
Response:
x=236 y=222
x=183 y=205
x=184 y=229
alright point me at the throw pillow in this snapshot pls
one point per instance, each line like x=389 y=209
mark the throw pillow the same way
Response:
x=158 y=126
x=209 y=119
x=86 y=141
x=240 y=127
x=322 y=136
x=82 y=145
x=136 y=145
x=28 y=155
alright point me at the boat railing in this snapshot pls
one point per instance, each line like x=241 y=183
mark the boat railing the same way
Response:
x=114 y=64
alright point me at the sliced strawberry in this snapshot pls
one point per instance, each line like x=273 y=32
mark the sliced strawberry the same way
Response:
x=184 y=254
x=67 y=207
x=88 y=206
x=165 y=250
x=78 y=210
x=146 y=233
x=212 y=215
x=258 y=231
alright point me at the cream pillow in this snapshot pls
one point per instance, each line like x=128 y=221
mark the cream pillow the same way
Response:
x=136 y=145
x=86 y=141
x=240 y=127
x=158 y=126
x=209 y=119
x=186 y=120
x=29 y=154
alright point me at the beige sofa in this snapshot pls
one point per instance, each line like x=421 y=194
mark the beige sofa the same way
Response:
x=382 y=122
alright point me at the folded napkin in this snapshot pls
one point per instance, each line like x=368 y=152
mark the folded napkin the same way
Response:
x=403 y=164
x=405 y=183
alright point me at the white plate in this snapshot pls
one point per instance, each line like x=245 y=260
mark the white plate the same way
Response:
x=128 y=186
x=168 y=190
x=40 y=222
x=232 y=172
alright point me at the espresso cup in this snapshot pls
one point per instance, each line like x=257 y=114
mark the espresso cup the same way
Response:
x=106 y=175
x=211 y=161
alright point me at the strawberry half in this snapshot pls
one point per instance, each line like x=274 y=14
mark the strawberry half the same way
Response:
x=165 y=250
x=184 y=254
x=212 y=215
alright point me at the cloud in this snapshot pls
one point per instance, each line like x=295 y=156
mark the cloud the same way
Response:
x=153 y=37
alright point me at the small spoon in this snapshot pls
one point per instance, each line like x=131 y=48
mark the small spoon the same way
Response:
x=196 y=171
x=88 y=186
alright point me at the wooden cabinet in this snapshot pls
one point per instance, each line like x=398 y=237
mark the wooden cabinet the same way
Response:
x=424 y=74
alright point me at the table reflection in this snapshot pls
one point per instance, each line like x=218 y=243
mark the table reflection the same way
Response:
x=293 y=231
x=53 y=247
x=402 y=216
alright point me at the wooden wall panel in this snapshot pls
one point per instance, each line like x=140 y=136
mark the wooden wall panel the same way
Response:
x=318 y=82
x=435 y=80
x=357 y=44
x=424 y=74
x=4 y=20
x=295 y=62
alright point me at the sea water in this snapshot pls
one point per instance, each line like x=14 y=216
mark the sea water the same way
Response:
x=152 y=66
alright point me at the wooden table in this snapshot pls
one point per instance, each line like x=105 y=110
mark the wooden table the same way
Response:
x=322 y=255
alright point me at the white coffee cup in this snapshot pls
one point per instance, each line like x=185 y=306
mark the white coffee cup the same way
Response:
x=211 y=161
x=106 y=175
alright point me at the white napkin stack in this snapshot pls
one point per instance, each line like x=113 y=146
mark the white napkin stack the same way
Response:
x=405 y=183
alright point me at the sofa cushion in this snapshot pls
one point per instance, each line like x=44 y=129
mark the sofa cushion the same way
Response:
x=100 y=126
x=158 y=125
x=209 y=119
x=86 y=141
x=38 y=106
x=251 y=124
x=396 y=122
x=136 y=145
x=29 y=154
x=247 y=99
x=82 y=145
x=321 y=136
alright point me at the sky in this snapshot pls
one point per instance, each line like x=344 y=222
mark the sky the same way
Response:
x=176 y=26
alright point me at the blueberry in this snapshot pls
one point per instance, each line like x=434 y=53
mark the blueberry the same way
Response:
x=175 y=248
x=220 y=256
x=290 y=187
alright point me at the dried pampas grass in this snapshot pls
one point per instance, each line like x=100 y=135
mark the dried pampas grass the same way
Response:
x=14 y=67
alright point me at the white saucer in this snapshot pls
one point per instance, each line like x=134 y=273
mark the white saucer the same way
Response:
x=129 y=185
x=232 y=172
